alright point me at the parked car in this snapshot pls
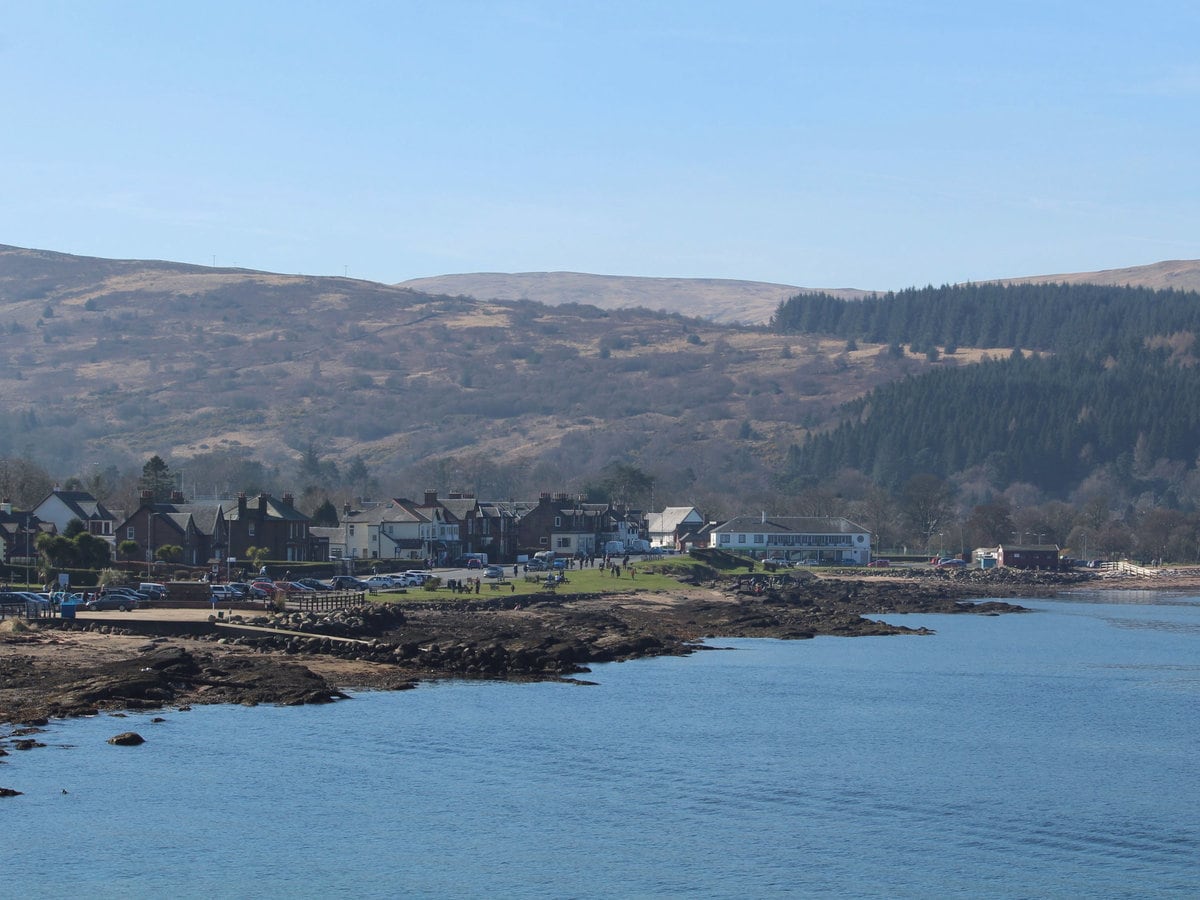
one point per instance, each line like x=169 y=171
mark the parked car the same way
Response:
x=380 y=583
x=292 y=587
x=536 y=565
x=153 y=590
x=405 y=579
x=879 y=564
x=249 y=591
x=267 y=587
x=347 y=583
x=134 y=599
x=950 y=562
x=313 y=583
x=11 y=599
x=493 y=572
x=224 y=592
x=111 y=600
x=474 y=563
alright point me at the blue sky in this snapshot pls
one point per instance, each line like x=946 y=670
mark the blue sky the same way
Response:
x=823 y=144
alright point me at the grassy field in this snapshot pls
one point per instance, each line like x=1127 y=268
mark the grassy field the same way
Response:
x=658 y=575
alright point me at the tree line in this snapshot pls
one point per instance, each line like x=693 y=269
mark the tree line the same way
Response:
x=1085 y=318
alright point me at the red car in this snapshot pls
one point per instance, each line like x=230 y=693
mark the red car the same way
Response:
x=879 y=564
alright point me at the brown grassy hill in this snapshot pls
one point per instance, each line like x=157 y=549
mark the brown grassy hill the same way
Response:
x=1180 y=274
x=716 y=299
x=111 y=361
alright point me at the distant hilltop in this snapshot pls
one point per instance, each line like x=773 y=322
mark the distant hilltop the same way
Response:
x=719 y=300
x=729 y=301
x=1180 y=274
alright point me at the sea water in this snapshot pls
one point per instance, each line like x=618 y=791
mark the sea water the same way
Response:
x=1051 y=754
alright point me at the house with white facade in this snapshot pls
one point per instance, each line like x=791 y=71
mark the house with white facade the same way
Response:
x=670 y=528
x=60 y=507
x=819 y=540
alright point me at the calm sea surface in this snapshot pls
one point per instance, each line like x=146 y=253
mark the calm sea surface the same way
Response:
x=1055 y=754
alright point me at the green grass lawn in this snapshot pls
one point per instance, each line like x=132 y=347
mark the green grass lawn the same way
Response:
x=647 y=577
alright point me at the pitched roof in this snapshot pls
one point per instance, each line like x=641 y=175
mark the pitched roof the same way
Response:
x=671 y=518
x=790 y=525
x=82 y=504
x=271 y=507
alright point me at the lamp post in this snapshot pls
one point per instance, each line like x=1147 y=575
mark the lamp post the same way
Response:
x=27 y=557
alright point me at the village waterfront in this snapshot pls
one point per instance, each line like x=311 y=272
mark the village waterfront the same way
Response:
x=1049 y=754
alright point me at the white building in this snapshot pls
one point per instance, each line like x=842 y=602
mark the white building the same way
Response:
x=669 y=527
x=819 y=540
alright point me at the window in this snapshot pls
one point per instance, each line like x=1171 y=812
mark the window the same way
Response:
x=725 y=539
x=741 y=539
x=760 y=539
x=563 y=542
x=351 y=531
x=250 y=529
x=543 y=540
x=130 y=533
x=558 y=521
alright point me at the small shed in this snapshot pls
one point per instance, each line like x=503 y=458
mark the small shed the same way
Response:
x=1028 y=556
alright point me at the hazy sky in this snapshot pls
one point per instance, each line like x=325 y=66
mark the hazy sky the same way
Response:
x=824 y=144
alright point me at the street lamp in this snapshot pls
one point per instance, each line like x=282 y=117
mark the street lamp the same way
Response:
x=27 y=557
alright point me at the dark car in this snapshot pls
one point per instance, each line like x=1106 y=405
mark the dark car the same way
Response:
x=347 y=583
x=249 y=591
x=536 y=565
x=313 y=583
x=113 y=600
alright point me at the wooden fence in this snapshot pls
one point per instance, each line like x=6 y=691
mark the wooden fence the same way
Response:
x=324 y=601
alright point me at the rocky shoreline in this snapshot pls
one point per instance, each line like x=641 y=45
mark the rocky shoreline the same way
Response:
x=60 y=668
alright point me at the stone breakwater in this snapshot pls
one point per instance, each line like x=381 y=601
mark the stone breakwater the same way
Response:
x=50 y=670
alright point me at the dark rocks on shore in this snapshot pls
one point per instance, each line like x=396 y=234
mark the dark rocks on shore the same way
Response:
x=498 y=637
x=9 y=792
x=127 y=739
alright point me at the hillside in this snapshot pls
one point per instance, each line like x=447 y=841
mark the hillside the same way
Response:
x=1179 y=274
x=295 y=379
x=716 y=299
x=730 y=301
x=111 y=361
